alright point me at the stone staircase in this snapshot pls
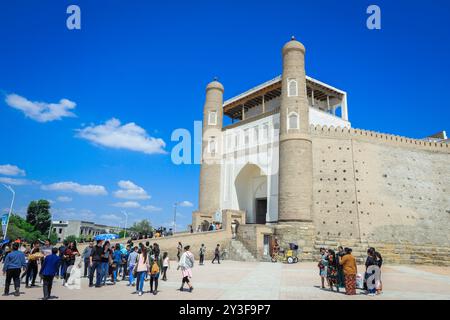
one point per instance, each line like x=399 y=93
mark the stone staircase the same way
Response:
x=238 y=252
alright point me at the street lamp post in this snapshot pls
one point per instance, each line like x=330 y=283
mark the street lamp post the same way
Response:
x=126 y=222
x=10 y=208
x=175 y=216
x=51 y=223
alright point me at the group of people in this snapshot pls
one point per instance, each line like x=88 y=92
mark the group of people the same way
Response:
x=106 y=262
x=339 y=269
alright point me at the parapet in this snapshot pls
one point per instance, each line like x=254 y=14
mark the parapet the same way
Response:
x=378 y=137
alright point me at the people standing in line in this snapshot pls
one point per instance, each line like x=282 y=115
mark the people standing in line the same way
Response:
x=323 y=263
x=216 y=254
x=186 y=264
x=179 y=250
x=48 y=271
x=95 y=263
x=86 y=258
x=142 y=268
x=340 y=271
x=348 y=263
x=12 y=264
x=202 y=252
x=332 y=270
x=62 y=264
x=154 y=275
x=117 y=261
x=131 y=263
x=32 y=268
x=166 y=265
x=106 y=261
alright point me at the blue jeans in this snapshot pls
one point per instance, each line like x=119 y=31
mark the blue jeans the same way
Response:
x=140 y=281
x=130 y=275
x=105 y=267
x=62 y=268
x=97 y=268
x=116 y=270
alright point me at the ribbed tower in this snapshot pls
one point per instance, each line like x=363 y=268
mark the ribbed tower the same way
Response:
x=209 y=197
x=295 y=175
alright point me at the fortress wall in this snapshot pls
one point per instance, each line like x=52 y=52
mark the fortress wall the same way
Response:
x=381 y=189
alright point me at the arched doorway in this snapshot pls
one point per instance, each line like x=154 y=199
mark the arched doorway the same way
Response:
x=251 y=191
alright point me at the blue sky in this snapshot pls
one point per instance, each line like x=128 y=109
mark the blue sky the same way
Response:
x=138 y=70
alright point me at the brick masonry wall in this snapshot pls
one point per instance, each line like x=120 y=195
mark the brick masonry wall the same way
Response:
x=383 y=190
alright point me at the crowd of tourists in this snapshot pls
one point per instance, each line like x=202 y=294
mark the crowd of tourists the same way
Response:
x=339 y=270
x=103 y=261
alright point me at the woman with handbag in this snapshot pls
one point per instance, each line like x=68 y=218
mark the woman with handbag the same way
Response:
x=141 y=269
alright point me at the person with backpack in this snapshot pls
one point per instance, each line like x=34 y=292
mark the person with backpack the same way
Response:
x=202 y=254
x=154 y=275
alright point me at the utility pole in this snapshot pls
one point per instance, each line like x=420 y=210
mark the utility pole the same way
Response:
x=10 y=208
x=126 y=222
x=175 y=216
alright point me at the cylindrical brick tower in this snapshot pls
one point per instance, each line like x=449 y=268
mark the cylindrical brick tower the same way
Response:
x=209 y=195
x=295 y=163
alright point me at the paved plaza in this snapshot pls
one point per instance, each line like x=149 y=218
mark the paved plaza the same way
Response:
x=262 y=281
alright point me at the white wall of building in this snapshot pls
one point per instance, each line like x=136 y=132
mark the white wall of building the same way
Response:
x=256 y=143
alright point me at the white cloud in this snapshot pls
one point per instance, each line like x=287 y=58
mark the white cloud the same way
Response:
x=186 y=204
x=64 y=199
x=11 y=170
x=41 y=111
x=151 y=208
x=73 y=214
x=136 y=205
x=69 y=186
x=17 y=182
x=131 y=191
x=128 y=136
x=127 y=204
x=110 y=217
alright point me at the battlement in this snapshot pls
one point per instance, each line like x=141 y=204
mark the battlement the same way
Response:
x=378 y=137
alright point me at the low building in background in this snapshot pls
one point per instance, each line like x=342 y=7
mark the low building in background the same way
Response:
x=81 y=229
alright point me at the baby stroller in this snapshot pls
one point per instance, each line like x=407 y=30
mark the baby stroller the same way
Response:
x=291 y=255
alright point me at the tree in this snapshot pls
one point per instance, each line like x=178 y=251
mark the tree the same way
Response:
x=20 y=228
x=71 y=238
x=143 y=226
x=38 y=215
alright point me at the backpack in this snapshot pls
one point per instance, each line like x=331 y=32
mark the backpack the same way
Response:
x=155 y=268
